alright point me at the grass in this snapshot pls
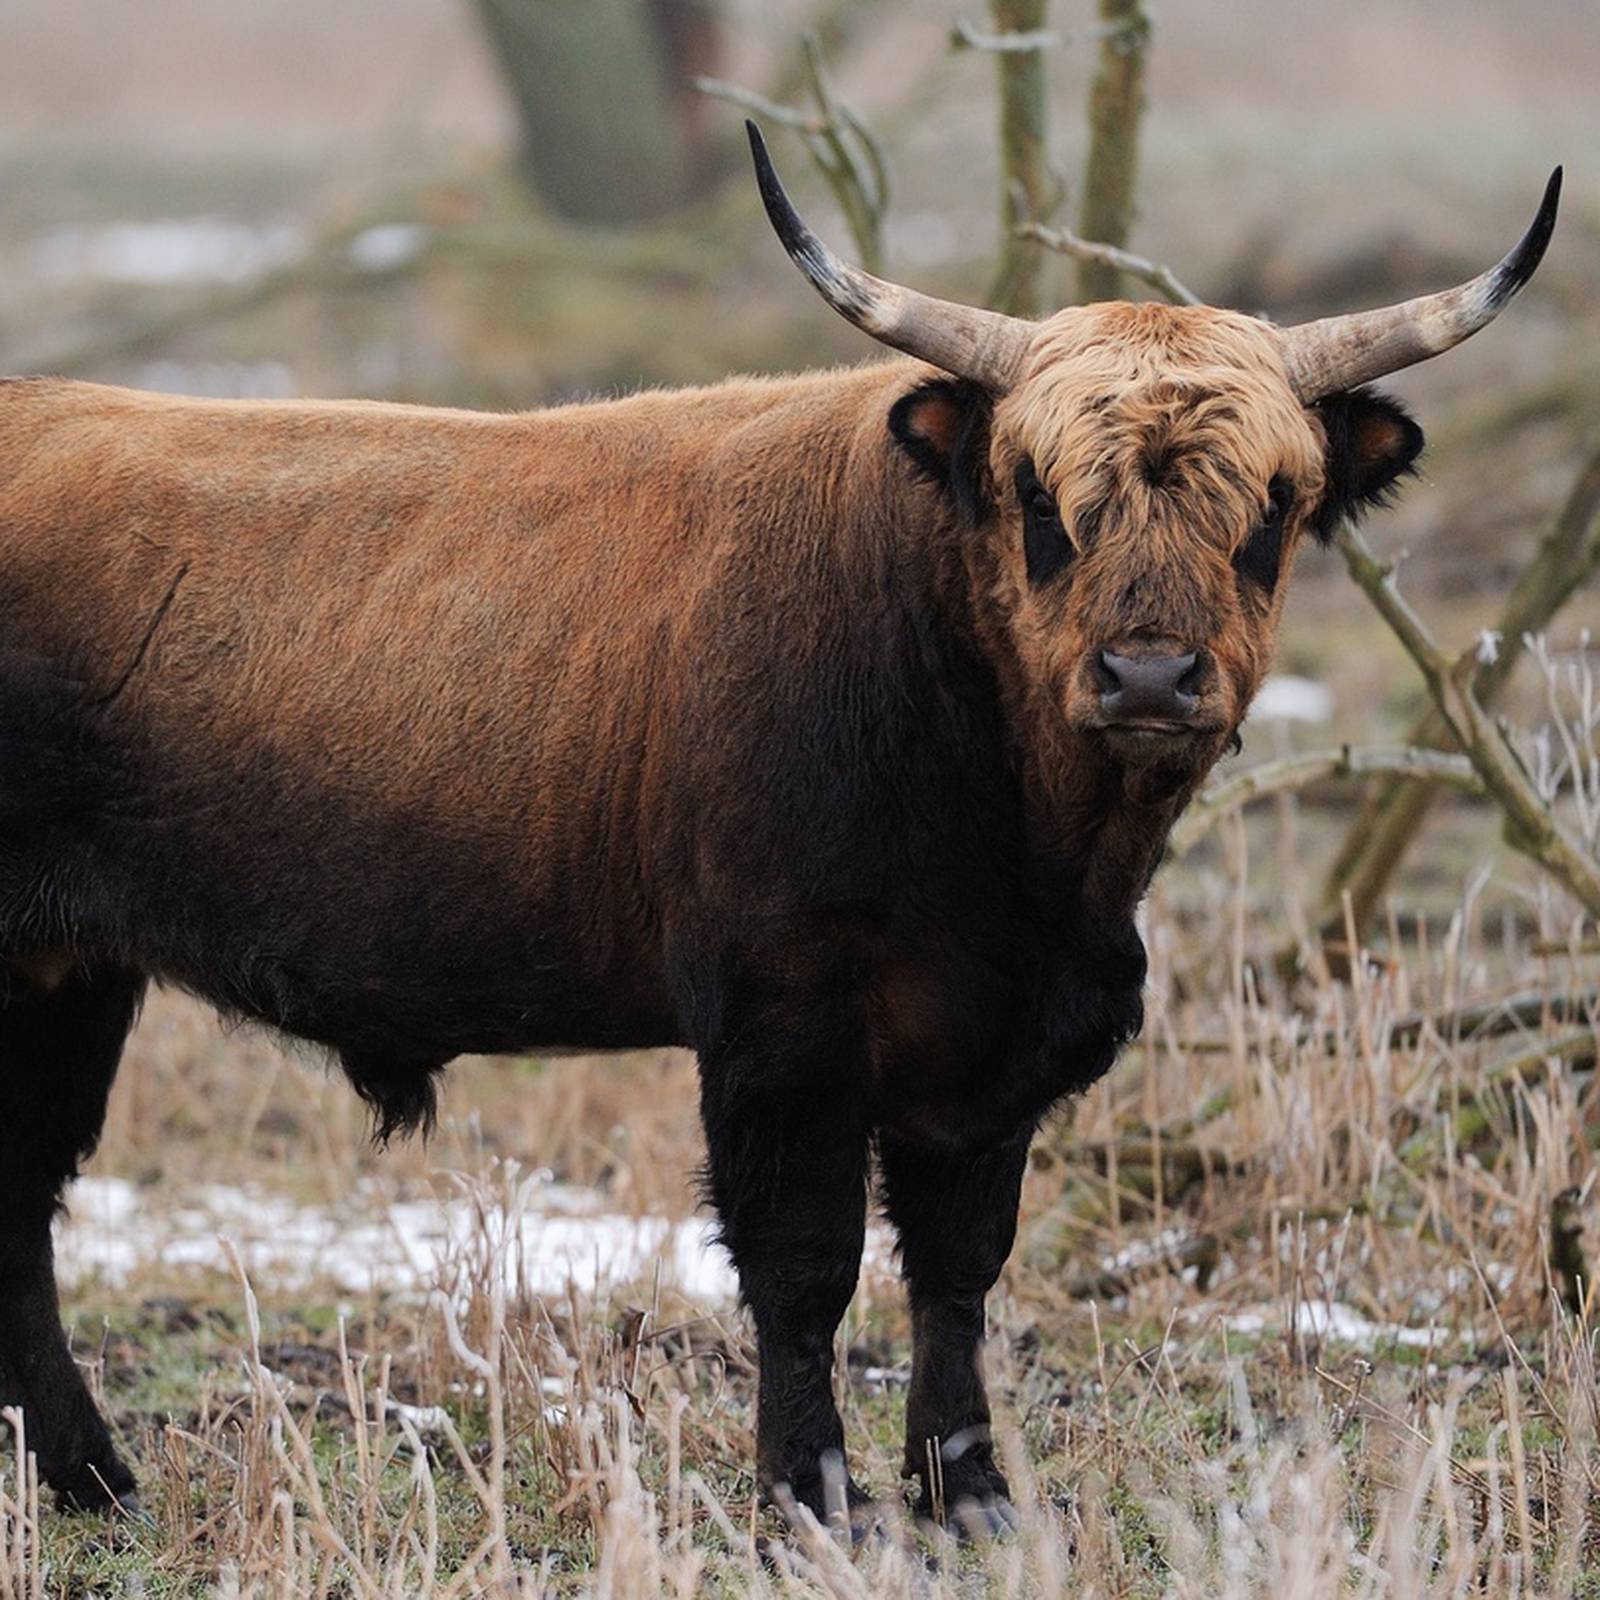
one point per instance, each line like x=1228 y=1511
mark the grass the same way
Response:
x=1270 y=1327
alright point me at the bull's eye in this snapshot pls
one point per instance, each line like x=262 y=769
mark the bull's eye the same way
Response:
x=1261 y=555
x=1044 y=541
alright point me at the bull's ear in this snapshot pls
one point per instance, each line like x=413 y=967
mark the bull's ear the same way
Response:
x=1372 y=444
x=943 y=426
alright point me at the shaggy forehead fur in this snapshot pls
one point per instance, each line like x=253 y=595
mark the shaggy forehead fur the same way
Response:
x=1154 y=406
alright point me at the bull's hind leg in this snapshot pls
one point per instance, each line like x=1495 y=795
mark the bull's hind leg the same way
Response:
x=956 y=1215
x=59 y=1048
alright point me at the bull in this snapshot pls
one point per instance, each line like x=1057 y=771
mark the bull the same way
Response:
x=829 y=725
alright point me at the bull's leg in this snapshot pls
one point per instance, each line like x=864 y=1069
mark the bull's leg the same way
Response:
x=59 y=1050
x=957 y=1219
x=786 y=1133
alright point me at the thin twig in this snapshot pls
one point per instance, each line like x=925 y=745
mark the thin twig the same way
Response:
x=1160 y=278
x=965 y=35
x=758 y=104
x=845 y=150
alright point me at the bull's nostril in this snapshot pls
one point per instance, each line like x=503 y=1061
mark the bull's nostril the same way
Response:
x=1191 y=673
x=1107 y=678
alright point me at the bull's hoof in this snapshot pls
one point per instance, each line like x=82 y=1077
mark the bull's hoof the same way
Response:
x=975 y=1499
x=978 y=1520
x=834 y=1498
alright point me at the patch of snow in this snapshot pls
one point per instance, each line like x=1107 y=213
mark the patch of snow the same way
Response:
x=1286 y=698
x=386 y=245
x=886 y=1377
x=114 y=1229
x=425 y=1419
x=1324 y=1319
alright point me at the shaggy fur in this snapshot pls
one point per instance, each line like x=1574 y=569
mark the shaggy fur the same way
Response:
x=758 y=718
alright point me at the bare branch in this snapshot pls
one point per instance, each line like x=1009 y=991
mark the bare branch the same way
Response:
x=758 y=104
x=967 y=36
x=1568 y=556
x=845 y=150
x=1217 y=800
x=1160 y=278
x=1529 y=826
x=964 y=36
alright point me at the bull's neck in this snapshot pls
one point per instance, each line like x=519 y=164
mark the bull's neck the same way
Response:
x=1106 y=824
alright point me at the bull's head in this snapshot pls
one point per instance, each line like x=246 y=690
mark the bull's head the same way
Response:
x=1145 y=473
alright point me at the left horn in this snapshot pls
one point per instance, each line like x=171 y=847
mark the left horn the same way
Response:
x=1337 y=353
x=981 y=345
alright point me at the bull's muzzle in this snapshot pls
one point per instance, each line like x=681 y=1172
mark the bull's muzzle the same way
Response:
x=1151 y=692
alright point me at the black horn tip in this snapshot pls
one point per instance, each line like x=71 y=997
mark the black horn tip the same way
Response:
x=792 y=233
x=832 y=279
x=1524 y=261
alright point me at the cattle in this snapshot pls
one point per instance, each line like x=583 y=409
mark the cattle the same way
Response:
x=829 y=725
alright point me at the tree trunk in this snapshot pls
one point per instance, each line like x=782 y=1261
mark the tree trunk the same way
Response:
x=1029 y=190
x=610 y=131
x=1116 y=106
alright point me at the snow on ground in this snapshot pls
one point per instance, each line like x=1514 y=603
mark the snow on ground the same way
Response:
x=114 y=1229
x=1330 y=1319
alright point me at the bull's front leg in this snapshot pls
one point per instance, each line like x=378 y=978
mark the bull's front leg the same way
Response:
x=956 y=1215
x=783 y=1089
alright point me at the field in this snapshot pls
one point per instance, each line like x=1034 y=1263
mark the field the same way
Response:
x=1302 y=1302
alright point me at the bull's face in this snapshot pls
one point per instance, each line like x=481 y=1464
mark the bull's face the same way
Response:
x=1136 y=500
x=1136 y=479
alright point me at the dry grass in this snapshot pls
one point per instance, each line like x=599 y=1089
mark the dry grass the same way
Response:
x=1286 y=1315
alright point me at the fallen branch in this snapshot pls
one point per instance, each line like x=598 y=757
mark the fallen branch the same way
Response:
x=1202 y=1251
x=1529 y=826
x=1566 y=947
x=1490 y=1019
x=1217 y=800
x=1468 y=1121
x=1162 y=279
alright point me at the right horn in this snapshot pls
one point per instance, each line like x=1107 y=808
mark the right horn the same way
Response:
x=1337 y=353
x=984 y=346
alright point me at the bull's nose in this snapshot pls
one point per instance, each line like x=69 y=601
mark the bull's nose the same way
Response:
x=1158 y=688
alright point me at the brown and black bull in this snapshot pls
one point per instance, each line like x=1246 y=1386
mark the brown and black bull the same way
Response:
x=829 y=725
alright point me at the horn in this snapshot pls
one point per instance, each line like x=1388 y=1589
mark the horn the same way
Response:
x=1337 y=353
x=981 y=345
